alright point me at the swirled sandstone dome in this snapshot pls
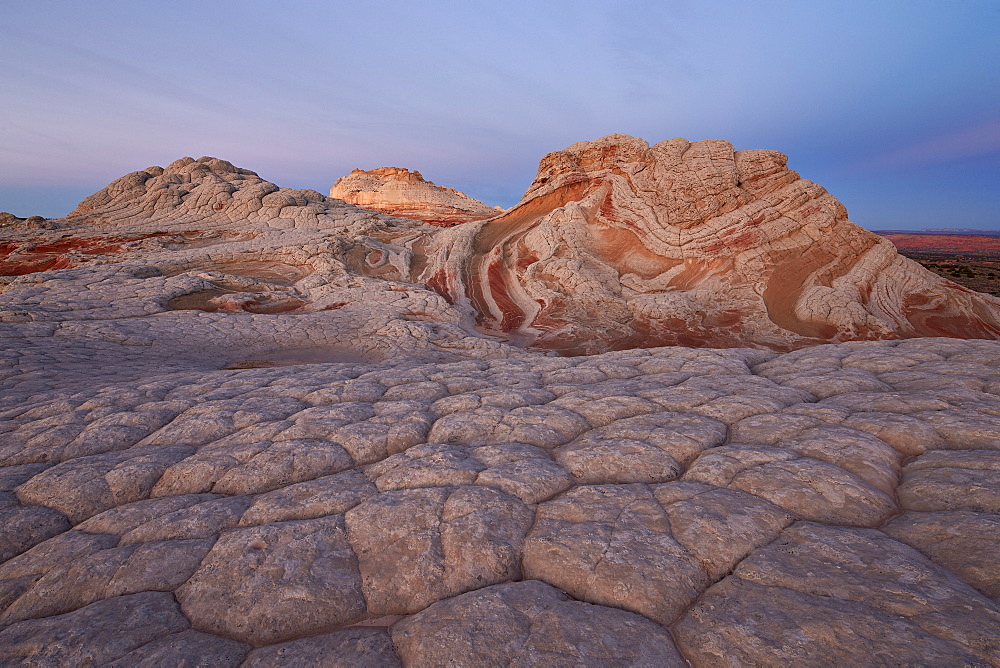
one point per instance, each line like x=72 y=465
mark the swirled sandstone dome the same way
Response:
x=618 y=244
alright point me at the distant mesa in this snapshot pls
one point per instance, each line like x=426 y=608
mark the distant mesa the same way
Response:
x=400 y=192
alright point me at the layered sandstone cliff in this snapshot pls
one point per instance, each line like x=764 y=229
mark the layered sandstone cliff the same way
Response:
x=400 y=192
x=618 y=244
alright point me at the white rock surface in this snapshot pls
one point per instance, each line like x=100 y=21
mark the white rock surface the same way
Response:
x=400 y=192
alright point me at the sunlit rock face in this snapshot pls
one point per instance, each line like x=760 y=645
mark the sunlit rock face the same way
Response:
x=400 y=192
x=618 y=244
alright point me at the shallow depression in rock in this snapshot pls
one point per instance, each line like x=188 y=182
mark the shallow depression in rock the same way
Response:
x=296 y=356
x=278 y=273
x=202 y=300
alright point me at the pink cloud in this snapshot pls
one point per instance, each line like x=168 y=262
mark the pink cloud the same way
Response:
x=979 y=140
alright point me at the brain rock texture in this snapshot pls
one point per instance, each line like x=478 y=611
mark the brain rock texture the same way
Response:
x=249 y=425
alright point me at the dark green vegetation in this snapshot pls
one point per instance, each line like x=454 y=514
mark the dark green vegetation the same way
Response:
x=976 y=272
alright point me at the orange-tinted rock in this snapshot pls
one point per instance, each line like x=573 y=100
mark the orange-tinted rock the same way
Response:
x=400 y=192
x=618 y=244
x=29 y=257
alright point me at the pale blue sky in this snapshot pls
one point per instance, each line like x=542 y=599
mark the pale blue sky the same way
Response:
x=893 y=106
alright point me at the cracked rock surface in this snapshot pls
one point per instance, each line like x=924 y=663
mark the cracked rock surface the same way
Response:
x=346 y=472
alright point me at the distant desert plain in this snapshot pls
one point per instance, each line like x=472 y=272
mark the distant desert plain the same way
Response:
x=970 y=258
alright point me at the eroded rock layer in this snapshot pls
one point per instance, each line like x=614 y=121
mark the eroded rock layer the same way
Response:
x=400 y=192
x=242 y=434
x=618 y=244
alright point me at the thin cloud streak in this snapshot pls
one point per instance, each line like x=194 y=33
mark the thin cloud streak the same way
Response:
x=957 y=145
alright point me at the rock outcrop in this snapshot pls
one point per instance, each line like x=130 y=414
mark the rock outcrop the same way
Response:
x=618 y=244
x=244 y=433
x=400 y=192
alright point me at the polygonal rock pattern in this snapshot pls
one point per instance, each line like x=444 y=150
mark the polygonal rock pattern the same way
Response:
x=275 y=582
x=421 y=545
x=366 y=479
x=409 y=554
x=957 y=540
x=530 y=624
x=858 y=594
x=95 y=634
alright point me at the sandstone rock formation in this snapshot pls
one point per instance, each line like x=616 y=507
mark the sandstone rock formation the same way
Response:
x=400 y=192
x=618 y=244
x=244 y=434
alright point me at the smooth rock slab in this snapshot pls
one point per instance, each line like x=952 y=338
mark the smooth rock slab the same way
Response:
x=55 y=552
x=428 y=465
x=329 y=495
x=531 y=479
x=645 y=448
x=96 y=634
x=275 y=582
x=23 y=527
x=857 y=452
x=806 y=487
x=358 y=647
x=81 y=488
x=855 y=593
x=739 y=623
x=719 y=527
x=530 y=624
x=187 y=649
x=201 y=520
x=612 y=545
x=965 y=429
x=908 y=435
x=157 y=566
x=418 y=546
x=123 y=519
x=952 y=480
x=283 y=464
x=966 y=543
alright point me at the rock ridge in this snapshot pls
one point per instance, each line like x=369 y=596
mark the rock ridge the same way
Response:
x=619 y=244
x=399 y=192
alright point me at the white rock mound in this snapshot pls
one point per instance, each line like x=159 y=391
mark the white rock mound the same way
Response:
x=400 y=192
